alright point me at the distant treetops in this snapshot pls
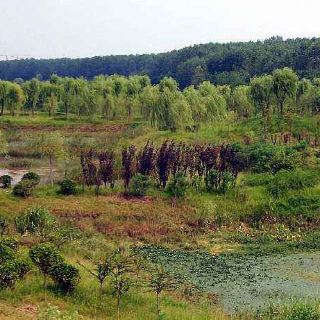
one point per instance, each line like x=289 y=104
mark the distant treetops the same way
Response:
x=164 y=105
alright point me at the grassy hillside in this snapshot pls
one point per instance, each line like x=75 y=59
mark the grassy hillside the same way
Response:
x=271 y=213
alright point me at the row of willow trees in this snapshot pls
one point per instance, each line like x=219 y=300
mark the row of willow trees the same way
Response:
x=161 y=163
x=164 y=104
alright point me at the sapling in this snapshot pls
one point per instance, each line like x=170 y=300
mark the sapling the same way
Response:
x=160 y=280
x=100 y=273
x=45 y=257
x=120 y=269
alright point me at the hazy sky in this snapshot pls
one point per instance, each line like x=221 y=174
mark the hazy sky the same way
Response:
x=79 y=28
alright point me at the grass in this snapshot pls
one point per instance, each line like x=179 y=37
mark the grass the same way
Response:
x=246 y=221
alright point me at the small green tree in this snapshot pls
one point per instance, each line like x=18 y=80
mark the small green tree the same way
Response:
x=120 y=268
x=50 y=145
x=159 y=281
x=178 y=186
x=45 y=257
x=65 y=276
x=12 y=268
x=139 y=185
x=101 y=272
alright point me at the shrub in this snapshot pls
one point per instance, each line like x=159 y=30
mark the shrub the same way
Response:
x=284 y=181
x=11 y=271
x=260 y=179
x=6 y=181
x=24 y=188
x=32 y=176
x=35 y=220
x=6 y=253
x=10 y=242
x=45 y=257
x=67 y=187
x=139 y=185
x=3 y=226
x=11 y=268
x=273 y=158
x=178 y=185
x=219 y=182
x=65 y=276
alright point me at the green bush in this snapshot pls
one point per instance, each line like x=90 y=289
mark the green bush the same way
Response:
x=273 y=158
x=11 y=267
x=67 y=187
x=11 y=271
x=45 y=257
x=32 y=176
x=284 y=181
x=260 y=179
x=177 y=187
x=24 y=188
x=219 y=182
x=35 y=220
x=6 y=253
x=297 y=311
x=10 y=242
x=65 y=276
x=3 y=226
x=5 y=181
x=139 y=185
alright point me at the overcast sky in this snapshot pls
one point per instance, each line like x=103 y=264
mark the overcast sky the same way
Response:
x=80 y=28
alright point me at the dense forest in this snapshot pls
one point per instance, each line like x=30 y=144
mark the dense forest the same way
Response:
x=228 y=63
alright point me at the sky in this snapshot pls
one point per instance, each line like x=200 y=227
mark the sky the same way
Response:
x=85 y=28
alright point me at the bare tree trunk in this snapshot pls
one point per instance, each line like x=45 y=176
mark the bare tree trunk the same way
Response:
x=118 y=305
x=45 y=286
x=158 y=304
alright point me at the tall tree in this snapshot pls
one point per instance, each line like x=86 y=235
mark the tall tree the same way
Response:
x=285 y=84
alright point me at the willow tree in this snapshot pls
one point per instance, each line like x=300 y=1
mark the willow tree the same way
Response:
x=4 y=89
x=306 y=96
x=241 y=102
x=150 y=105
x=174 y=112
x=213 y=100
x=285 y=84
x=50 y=93
x=15 y=98
x=262 y=97
x=32 y=91
x=198 y=109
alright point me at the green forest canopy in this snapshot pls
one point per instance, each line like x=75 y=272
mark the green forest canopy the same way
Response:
x=231 y=63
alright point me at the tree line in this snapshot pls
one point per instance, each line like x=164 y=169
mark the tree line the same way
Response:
x=165 y=106
x=231 y=63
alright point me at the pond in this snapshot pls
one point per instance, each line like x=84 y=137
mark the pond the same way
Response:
x=245 y=283
x=42 y=171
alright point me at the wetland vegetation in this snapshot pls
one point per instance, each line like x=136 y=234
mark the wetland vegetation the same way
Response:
x=131 y=200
